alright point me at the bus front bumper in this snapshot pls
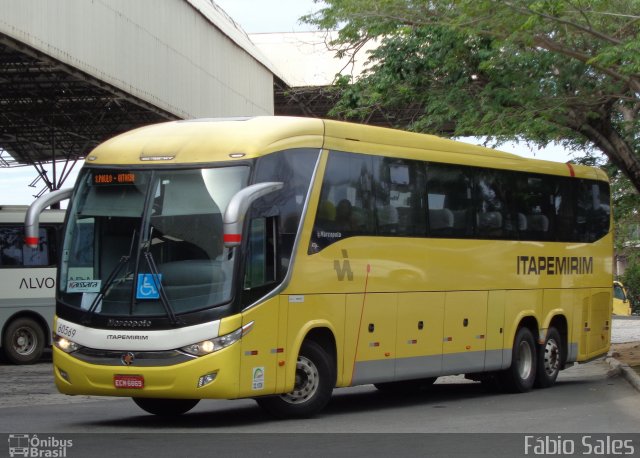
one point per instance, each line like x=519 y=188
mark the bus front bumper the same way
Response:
x=214 y=376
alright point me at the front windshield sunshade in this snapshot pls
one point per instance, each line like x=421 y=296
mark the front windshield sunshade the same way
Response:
x=149 y=243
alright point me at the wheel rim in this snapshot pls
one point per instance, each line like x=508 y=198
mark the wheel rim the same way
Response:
x=25 y=341
x=307 y=381
x=551 y=357
x=525 y=360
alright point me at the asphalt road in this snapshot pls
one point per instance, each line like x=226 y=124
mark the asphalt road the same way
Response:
x=588 y=399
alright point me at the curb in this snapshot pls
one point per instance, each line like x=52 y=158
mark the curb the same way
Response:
x=618 y=368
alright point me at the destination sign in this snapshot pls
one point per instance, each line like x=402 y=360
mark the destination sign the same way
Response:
x=108 y=178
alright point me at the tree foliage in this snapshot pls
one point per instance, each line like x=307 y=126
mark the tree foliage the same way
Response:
x=540 y=70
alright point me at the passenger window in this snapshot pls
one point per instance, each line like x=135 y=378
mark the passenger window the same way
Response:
x=450 y=205
x=13 y=251
x=399 y=197
x=346 y=201
x=537 y=199
x=593 y=210
x=492 y=216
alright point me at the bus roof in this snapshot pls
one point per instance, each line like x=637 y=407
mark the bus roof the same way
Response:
x=220 y=140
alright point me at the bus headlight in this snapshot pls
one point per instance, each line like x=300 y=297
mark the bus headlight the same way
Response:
x=209 y=346
x=65 y=344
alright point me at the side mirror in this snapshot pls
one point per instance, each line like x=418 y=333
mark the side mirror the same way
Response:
x=32 y=218
x=234 y=216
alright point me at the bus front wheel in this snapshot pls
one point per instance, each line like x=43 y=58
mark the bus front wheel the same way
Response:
x=23 y=341
x=521 y=375
x=165 y=407
x=315 y=379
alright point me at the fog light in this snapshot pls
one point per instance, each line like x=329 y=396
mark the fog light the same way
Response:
x=64 y=375
x=206 y=379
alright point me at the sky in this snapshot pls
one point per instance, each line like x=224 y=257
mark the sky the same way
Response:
x=254 y=16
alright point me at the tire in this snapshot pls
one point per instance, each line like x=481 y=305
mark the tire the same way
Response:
x=166 y=407
x=550 y=359
x=521 y=375
x=315 y=379
x=23 y=341
x=405 y=386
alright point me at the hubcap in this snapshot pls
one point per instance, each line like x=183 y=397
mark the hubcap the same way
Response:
x=551 y=357
x=24 y=341
x=525 y=360
x=307 y=380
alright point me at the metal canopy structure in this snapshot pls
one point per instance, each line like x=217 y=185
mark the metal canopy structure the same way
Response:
x=53 y=113
x=318 y=101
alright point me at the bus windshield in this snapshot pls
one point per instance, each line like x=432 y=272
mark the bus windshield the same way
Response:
x=149 y=243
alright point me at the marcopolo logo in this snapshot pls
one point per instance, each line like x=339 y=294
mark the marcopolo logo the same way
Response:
x=30 y=445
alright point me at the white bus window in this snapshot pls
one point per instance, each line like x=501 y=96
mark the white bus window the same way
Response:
x=15 y=253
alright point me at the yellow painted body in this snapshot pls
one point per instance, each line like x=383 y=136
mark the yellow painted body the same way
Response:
x=621 y=303
x=450 y=302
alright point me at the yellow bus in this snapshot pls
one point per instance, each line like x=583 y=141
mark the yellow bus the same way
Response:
x=277 y=258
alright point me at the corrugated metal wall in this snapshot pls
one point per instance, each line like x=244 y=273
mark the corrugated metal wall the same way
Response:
x=168 y=52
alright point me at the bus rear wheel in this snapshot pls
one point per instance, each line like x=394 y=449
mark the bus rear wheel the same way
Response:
x=550 y=356
x=315 y=379
x=521 y=375
x=166 y=407
x=23 y=341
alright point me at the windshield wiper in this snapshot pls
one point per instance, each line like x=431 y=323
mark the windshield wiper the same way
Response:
x=124 y=259
x=155 y=275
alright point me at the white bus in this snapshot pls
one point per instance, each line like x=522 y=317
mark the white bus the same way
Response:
x=27 y=284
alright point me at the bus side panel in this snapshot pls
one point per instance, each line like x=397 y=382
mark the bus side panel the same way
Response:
x=419 y=335
x=562 y=302
x=519 y=304
x=376 y=338
x=594 y=330
x=308 y=312
x=258 y=367
x=599 y=322
x=494 y=358
x=582 y=327
x=465 y=329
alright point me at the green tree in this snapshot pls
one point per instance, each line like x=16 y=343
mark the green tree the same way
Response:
x=539 y=70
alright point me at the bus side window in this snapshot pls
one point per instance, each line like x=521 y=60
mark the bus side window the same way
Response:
x=399 y=197
x=593 y=210
x=14 y=252
x=346 y=200
x=492 y=212
x=449 y=200
x=261 y=260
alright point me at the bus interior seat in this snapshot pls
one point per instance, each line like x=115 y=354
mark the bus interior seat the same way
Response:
x=489 y=223
x=537 y=223
x=440 y=220
x=522 y=222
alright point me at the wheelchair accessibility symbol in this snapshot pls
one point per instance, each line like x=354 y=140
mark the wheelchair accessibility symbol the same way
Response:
x=148 y=286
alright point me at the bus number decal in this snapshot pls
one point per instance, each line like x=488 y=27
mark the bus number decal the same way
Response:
x=67 y=331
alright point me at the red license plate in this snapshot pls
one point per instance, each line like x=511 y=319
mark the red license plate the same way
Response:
x=135 y=382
